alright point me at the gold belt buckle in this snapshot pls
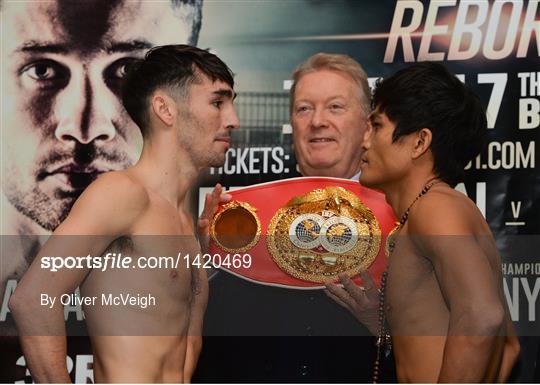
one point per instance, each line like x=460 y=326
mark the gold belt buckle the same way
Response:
x=323 y=233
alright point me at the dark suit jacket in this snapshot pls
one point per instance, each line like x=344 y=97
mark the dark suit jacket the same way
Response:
x=257 y=333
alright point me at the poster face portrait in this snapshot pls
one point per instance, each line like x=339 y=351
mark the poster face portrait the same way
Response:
x=63 y=67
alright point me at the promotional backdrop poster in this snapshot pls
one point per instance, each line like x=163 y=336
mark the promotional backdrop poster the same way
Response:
x=492 y=46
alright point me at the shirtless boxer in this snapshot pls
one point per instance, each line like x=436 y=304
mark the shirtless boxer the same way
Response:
x=182 y=99
x=443 y=297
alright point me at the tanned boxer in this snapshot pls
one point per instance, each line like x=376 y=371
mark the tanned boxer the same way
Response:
x=442 y=298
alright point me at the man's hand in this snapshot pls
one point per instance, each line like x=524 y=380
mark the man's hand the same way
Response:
x=361 y=301
x=211 y=203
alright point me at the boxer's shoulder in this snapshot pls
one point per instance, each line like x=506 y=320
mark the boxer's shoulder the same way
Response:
x=120 y=188
x=110 y=205
x=444 y=211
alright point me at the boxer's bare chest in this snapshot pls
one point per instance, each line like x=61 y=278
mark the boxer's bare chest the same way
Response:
x=152 y=261
x=414 y=302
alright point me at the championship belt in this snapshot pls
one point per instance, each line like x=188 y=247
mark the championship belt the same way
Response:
x=302 y=232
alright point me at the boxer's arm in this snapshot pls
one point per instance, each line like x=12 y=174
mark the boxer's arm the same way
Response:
x=510 y=353
x=194 y=337
x=41 y=327
x=200 y=287
x=102 y=212
x=468 y=285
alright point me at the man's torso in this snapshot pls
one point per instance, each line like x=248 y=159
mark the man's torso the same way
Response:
x=140 y=319
x=416 y=308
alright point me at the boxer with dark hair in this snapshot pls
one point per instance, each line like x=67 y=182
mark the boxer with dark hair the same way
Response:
x=64 y=123
x=442 y=297
x=182 y=98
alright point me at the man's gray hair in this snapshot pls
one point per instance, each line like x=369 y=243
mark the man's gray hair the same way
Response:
x=339 y=63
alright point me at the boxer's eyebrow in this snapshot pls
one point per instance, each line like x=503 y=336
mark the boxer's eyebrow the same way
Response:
x=34 y=46
x=225 y=93
x=128 y=46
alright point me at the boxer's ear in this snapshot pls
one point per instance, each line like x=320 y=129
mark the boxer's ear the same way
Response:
x=422 y=142
x=164 y=108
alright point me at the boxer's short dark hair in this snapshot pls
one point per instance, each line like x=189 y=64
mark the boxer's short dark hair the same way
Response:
x=173 y=68
x=427 y=95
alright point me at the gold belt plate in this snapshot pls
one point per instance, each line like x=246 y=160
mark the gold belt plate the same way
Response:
x=324 y=233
